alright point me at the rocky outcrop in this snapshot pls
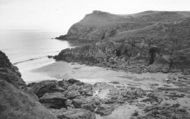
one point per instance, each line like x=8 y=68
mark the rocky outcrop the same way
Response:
x=102 y=25
x=75 y=96
x=157 y=48
x=150 y=41
x=74 y=114
x=16 y=101
x=165 y=112
x=9 y=72
x=103 y=99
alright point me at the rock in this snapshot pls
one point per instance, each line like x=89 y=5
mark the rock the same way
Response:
x=143 y=42
x=6 y=64
x=16 y=101
x=55 y=100
x=71 y=94
x=165 y=112
x=78 y=89
x=9 y=72
x=106 y=92
x=78 y=102
x=16 y=104
x=133 y=93
x=104 y=109
x=74 y=81
x=69 y=103
x=88 y=103
x=43 y=87
x=64 y=84
x=86 y=90
x=108 y=25
x=77 y=114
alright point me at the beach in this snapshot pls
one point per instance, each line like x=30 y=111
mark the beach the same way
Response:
x=159 y=84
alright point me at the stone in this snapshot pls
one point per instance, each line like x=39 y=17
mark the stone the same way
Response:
x=43 y=87
x=55 y=100
x=16 y=101
x=104 y=110
x=77 y=114
x=88 y=103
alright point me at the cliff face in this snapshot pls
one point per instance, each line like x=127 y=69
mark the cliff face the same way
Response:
x=102 y=25
x=148 y=41
x=16 y=101
x=9 y=72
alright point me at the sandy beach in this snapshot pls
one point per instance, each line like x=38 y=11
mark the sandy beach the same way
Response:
x=92 y=74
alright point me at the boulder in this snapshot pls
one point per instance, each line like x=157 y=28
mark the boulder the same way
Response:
x=78 y=89
x=104 y=110
x=16 y=104
x=55 y=100
x=165 y=112
x=43 y=87
x=88 y=103
x=77 y=114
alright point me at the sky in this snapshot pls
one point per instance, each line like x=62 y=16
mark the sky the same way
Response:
x=59 y=15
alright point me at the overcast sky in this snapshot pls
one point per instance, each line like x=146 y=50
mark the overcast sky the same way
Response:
x=59 y=15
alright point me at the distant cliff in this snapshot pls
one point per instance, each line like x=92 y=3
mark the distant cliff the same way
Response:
x=149 y=41
x=102 y=25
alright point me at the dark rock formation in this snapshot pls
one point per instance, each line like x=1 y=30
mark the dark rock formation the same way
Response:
x=9 y=72
x=54 y=100
x=16 y=101
x=165 y=112
x=78 y=100
x=44 y=87
x=76 y=114
x=104 y=110
x=127 y=41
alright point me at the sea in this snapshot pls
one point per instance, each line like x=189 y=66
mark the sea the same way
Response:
x=28 y=50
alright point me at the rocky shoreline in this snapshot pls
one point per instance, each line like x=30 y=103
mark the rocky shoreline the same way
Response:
x=121 y=57
x=150 y=41
x=73 y=99
x=146 y=42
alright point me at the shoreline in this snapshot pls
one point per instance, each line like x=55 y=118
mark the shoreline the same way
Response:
x=160 y=88
x=93 y=74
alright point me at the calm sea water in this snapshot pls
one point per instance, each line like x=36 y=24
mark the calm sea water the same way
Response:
x=28 y=50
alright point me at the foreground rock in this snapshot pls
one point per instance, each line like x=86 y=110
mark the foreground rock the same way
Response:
x=75 y=99
x=16 y=101
x=75 y=114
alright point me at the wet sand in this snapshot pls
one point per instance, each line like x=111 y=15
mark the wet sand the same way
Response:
x=93 y=74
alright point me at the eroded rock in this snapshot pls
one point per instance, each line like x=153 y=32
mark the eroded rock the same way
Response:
x=77 y=114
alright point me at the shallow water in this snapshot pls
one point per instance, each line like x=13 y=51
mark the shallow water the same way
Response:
x=28 y=49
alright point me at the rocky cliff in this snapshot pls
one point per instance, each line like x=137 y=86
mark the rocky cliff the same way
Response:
x=16 y=101
x=43 y=100
x=153 y=42
x=101 y=25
